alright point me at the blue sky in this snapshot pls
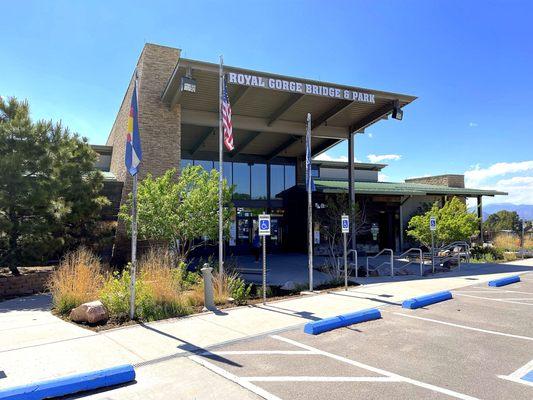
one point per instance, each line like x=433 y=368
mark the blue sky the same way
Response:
x=469 y=62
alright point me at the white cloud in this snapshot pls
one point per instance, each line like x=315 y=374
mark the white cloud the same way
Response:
x=370 y=135
x=327 y=157
x=518 y=181
x=478 y=175
x=382 y=177
x=373 y=158
x=472 y=124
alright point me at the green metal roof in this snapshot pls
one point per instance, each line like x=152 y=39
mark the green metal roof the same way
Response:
x=400 y=189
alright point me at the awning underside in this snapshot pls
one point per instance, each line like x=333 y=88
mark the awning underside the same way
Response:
x=268 y=123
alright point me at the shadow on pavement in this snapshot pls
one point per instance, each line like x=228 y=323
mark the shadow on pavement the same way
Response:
x=37 y=302
x=185 y=346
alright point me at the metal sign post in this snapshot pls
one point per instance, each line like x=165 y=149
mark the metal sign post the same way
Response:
x=345 y=228
x=433 y=228
x=264 y=231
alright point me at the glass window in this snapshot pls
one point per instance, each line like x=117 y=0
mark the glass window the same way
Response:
x=207 y=165
x=290 y=176
x=315 y=171
x=241 y=180
x=185 y=163
x=259 y=182
x=228 y=174
x=277 y=180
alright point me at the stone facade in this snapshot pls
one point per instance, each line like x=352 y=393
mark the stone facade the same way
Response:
x=450 y=180
x=160 y=127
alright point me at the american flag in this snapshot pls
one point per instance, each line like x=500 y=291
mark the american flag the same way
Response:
x=226 y=119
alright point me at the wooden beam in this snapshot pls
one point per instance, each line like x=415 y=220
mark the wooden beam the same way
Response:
x=292 y=100
x=362 y=123
x=238 y=95
x=284 y=146
x=251 y=137
x=337 y=108
x=203 y=138
x=326 y=144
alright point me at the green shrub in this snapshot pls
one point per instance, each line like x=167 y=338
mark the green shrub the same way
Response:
x=486 y=254
x=240 y=292
x=115 y=295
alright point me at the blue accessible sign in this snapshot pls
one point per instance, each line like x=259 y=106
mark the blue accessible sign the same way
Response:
x=345 y=224
x=264 y=225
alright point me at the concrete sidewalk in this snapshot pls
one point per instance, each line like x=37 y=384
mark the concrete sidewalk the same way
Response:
x=35 y=345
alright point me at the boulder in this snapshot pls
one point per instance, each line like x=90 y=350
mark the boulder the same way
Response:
x=92 y=313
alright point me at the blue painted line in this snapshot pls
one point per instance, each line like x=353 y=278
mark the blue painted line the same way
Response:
x=328 y=324
x=504 y=281
x=528 y=377
x=421 y=301
x=70 y=384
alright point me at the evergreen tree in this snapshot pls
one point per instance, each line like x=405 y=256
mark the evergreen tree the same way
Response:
x=49 y=189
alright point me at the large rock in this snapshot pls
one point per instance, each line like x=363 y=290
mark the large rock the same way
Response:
x=92 y=313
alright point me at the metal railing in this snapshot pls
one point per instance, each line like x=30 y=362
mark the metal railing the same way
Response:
x=453 y=254
x=420 y=259
x=391 y=262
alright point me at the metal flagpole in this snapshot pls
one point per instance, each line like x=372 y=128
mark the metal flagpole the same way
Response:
x=220 y=178
x=133 y=248
x=309 y=200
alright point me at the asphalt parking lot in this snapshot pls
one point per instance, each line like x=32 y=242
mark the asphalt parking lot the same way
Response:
x=479 y=345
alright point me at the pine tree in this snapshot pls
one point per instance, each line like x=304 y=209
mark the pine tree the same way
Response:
x=49 y=190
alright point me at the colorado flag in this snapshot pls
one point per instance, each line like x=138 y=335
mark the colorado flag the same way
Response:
x=133 y=140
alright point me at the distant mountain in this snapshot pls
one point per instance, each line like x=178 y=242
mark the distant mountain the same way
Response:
x=525 y=211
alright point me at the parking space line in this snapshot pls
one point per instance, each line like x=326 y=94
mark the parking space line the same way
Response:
x=320 y=379
x=234 y=378
x=519 y=373
x=495 y=290
x=489 y=298
x=378 y=370
x=465 y=327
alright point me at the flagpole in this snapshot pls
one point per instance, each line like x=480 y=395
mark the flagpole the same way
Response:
x=220 y=177
x=309 y=200
x=134 y=222
x=133 y=248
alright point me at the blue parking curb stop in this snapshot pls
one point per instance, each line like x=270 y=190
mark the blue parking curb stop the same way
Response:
x=504 y=281
x=421 y=301
x=70 y=384
x=328 y=324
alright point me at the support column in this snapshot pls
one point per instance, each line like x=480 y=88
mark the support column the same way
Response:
x=401 y=225
x=480 y=216
x=351 y=189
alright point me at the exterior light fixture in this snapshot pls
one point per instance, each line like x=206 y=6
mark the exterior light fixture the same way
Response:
x=397 y=112
x=188 y=84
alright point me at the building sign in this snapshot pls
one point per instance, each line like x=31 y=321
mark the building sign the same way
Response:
x=299 y=87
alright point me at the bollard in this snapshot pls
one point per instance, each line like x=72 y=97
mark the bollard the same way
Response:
x=209 y=302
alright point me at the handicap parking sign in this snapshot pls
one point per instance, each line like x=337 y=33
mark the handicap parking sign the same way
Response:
x=432 y=223
x=345 y=224
x=264 y=225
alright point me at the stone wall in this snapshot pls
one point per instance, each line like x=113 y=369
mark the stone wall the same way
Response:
x=26 y=284
x=160 y=127
x=449 y=180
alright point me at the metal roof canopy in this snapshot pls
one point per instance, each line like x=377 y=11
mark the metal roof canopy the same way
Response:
x=400 y=189
x=269 y=123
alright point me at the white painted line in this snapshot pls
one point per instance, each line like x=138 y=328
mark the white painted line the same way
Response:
x=516 y=380
x=466 y=327
x=400 y=378
x=234 y=378
x=320 y=379
x=488 y=298
x=495 y=290
x=519 y=373
x=257 y=352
